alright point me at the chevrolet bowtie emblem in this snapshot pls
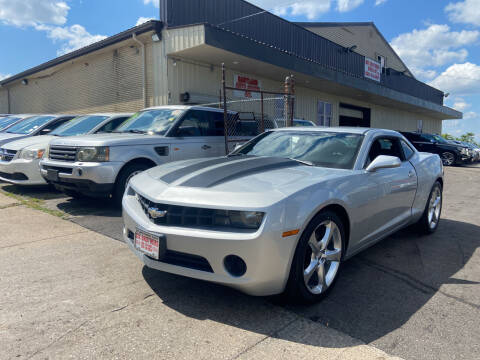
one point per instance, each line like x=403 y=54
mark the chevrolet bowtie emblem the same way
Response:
x=156 y=213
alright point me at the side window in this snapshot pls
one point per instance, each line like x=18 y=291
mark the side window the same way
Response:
x=427 y=138
x=407 y=150
x=216 y=127
x=112 y=125
x=49 y=128
x=195 y=123
x=384 y=146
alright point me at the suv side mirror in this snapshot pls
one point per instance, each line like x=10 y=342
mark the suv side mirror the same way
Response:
x=384 y=162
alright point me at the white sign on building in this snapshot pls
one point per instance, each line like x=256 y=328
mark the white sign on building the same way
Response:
x=250 y=85
x=373 y=69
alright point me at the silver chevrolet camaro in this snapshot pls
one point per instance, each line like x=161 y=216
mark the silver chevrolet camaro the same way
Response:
x=281 y=213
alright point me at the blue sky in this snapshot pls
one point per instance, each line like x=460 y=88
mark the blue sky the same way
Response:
x=439 y=40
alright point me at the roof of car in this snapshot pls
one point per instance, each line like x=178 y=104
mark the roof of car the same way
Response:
x=188 y=107
x=108 y=114
x=341 y=129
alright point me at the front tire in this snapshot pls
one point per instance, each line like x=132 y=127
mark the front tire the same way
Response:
x=428 y=224
x=448 y=158
x=317 y=260
x=124 y=177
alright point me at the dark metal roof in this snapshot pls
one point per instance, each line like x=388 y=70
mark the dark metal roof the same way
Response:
x=151 y=25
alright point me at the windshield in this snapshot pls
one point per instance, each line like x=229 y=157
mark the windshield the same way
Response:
x=326 y=149
x=6 y=122
x=79 y=126
x=29 y=125
x=157 y=121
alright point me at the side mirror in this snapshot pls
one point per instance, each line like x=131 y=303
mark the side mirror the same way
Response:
x=237 y=146
x=384 y=162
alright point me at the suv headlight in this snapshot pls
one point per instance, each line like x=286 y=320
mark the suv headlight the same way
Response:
x=93 y=154
x=463 y=151
x=31 y=154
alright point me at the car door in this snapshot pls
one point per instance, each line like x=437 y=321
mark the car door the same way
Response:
x=190 y=138
x=391 y=205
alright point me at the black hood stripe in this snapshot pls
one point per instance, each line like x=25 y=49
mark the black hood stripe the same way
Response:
x=236 y=170
x=202 y=164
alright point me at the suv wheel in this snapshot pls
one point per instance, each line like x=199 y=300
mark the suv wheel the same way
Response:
x=448 y=158
x=124 y=177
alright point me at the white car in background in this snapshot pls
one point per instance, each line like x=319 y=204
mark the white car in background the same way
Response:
x=19 y=160
x=9 y=120
x=34 y=126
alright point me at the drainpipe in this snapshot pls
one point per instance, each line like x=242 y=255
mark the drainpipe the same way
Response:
x=144 y=70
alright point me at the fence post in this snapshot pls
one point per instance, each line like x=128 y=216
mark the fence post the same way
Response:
x=262 y=125
x=225 y=113
x=292 y=99
x=288 y=108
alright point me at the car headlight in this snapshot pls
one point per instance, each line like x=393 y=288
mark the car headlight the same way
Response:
x=31 y=154
x=93 y=154
x=463 y=151
x=238 y=219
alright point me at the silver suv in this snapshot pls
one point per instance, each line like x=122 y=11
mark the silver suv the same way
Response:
x=101 y=165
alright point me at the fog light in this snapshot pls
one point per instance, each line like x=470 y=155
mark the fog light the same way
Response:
x=235 y=266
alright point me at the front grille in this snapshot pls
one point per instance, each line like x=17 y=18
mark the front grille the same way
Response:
x=61 y=170
x=182 y=216
x=7 y=155
x=63 y=153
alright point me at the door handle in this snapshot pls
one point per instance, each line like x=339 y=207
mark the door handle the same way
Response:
x=206 y=147
x=411 y=173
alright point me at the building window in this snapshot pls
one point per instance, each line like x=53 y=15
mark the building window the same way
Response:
x=420 y=126
x=324 y=114
x=383 y=61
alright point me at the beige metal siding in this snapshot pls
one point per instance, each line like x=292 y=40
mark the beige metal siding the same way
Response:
x=203 y=79
x=109 y=80
x=3 y=101
x=369 y=42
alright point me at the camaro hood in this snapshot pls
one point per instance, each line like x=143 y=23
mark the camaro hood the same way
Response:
x=39 y=141
x=6 y=137
x=110 y=139
x=242 y=182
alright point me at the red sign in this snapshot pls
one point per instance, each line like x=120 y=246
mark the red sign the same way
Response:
x=243 y=82
x=373 y=69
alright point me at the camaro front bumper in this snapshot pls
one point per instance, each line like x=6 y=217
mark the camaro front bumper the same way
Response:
x=201 y=253
x=21 y=172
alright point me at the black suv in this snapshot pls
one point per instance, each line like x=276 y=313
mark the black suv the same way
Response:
x=451 y=154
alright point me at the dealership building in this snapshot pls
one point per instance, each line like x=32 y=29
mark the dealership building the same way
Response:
x=345 y=73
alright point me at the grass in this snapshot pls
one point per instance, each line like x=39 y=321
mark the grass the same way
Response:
x=33 y=203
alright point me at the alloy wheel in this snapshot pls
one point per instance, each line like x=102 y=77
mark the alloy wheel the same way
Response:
x=434 y=208
x=448 y=158
x=322 y=258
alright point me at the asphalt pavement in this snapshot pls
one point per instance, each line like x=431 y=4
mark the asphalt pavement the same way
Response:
x=411 y=296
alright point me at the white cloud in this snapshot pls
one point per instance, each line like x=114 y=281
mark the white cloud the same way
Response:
x=459 y=79
x=4 y=76
x=141 y=20
x=31 y=12
x=461 y=105
x=71 y=37
x=154 y=2
x=348 y=5
x=467 y=12
x=433 y=47
x=425 y=74
x=380 y=2
x=311 y=9
x=470 y=115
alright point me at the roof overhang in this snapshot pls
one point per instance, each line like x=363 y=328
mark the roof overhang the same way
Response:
x=152 y=25
x=246 y=55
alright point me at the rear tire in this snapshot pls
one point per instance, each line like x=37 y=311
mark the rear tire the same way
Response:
x=124 y=177
x=317 y=260
x=428 y=224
